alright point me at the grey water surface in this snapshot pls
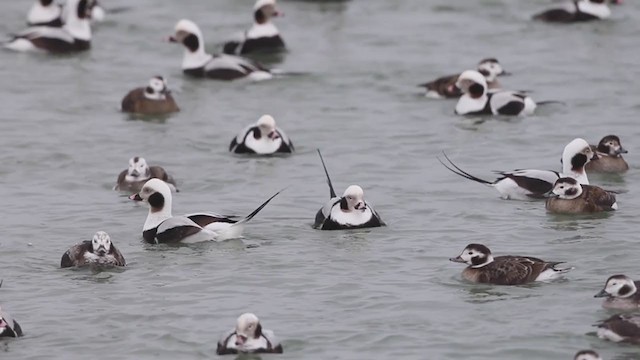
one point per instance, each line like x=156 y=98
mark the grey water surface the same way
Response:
x=387 y=293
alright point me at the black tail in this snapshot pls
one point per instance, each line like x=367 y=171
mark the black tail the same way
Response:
x=456 y=170
x=1 y=283
x=256 y=211
x=332 y=192
x=549 y=102
x=428 y=85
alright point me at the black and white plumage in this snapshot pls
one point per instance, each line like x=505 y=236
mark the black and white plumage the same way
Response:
x=263 y=36
x=197 y=63
x=45 y=13
x=99 y=251
x=162 y=227
x=505 y=270
x=73 y=36
x=136 y=175
x=621 y=293
x=262 y=138
x=8 y=326
x=609 y=156
x=576 y=11
x=620 y=328
x=350 y=211
x=587 y=355
x=248 y=337
x=445 y=86
x=527 y=184
x=571 y=197
x=477 y=99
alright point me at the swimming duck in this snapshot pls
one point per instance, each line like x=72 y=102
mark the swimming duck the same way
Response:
x=477 y=99
x=350 y=211
x=98 y=251
x=572 y=197
x=263 y=36
x=620 y=328
x=621 y=293
x=527 y=184
x=133 y=178
x=197 y=63
x=249 y=337
x=445 y=87
x=609 y=156
x=505 y=270
x=154 y=99
x=576 y=11
x=262 y=138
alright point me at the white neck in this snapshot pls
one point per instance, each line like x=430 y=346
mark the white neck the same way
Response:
x=267 y=29
x=154 y=96
x=196 y=59
x=78 y=28
x=580 y=176
x=156 y=218
x=43 y=14
x=601 y=11
x=466 y=104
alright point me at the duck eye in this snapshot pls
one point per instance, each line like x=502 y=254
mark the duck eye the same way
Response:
x=470 y=252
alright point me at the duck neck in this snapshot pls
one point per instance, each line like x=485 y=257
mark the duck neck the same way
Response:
x=157 y=215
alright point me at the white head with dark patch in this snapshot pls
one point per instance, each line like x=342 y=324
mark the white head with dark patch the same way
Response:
x=491 y=69
x=618 y=286
x=567 y=188
x=475 y=255
x=611 y=146
x=101 y=243
x=157 y=88
x=138 y=169
x=267 y=127
x=189 y=35
x=575 y=156
x=353 y=199
x=472 y=83
x=157 y=193
x=264 y=10
x=247 y=327
x=587 y=355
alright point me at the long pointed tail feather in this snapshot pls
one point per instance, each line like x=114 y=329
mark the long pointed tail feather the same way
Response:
x=458 y=171
x=332 y=192
x=235 y=230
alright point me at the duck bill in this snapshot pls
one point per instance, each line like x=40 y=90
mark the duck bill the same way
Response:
x=170 y=39
x=273 y=135
x=240 y=340
x=621 y=151
x=135 y=197
x=505 y=73
x=601 y=294
x=457 y=259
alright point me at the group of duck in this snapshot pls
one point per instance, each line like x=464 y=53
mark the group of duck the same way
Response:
x=56 y=29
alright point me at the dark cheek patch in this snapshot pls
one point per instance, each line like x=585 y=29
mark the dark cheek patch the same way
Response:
x=343 y=204
x=156 y=201
x=578 y=161
x=571 y=191
x=82 y=9
x=477 y=260
x=191 y=42
x=625 y=290
x=476 y=90
x=256 y=133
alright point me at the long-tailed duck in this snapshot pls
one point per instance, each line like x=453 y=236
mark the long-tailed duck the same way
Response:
x=587 y=355
x=263 y=36
x=249 y=337
x=8 y=326
x=505 y=270
x=162 y=227
x=155 y=99
x=530 y=184
x=576 y=11
x=350 y=211
x=133 y=179
x=609 y=156
x=98 y=251
x=45 y=13
x=197 y=63
x=262 y=138
x=73 y=36
x=621 y=292
x=477 y=99
x=445 y=87
x=573 y=198
x=620 y=328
